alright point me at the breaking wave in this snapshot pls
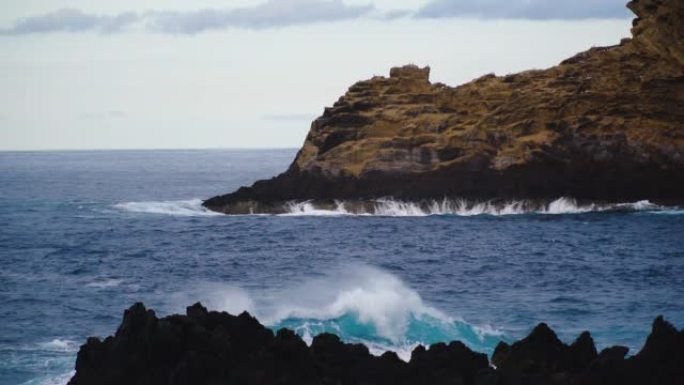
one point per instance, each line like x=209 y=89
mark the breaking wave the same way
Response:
x=394 y=208
x=185 y=208
x=397 y=208
x=360 y=304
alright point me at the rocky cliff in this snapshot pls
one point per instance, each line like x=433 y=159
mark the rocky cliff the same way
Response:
x=206 y=348
x=604 y=125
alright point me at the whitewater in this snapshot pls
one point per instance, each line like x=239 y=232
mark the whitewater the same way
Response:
x=360 y=303
x=84 y=235
x=388 y=207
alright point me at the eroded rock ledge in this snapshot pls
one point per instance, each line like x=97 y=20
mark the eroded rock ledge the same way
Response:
x=604 y=125
x=205 y=347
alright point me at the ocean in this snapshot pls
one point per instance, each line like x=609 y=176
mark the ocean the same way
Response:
x=85 y=234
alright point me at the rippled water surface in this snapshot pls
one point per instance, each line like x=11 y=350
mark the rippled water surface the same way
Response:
x=84 y=235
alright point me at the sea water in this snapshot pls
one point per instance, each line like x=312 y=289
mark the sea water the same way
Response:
x=84 y=235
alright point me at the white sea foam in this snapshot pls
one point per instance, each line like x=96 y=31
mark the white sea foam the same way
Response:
x=308 y=209
x=53 y=359
x=397 y=208
x=457 y=207
x=59 y=379
x=307 y=330
x=59 y=345
x=375 y=297
x=359 y=303
x=185 y=208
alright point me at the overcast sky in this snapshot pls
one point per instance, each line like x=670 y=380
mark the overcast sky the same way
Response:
x=81 y=74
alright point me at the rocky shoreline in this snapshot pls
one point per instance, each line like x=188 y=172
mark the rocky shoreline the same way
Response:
x=207 y=347
x=605 y=125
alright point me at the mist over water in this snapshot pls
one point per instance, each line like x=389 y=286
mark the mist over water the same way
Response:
x=84 y=235
x=361 y=304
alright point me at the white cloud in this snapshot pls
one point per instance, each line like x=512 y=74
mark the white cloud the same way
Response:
x=70 y=20
x=526 y=9
x=284 y=13
x=269 y=14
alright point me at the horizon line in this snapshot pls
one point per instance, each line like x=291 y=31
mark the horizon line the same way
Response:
x=149 y=149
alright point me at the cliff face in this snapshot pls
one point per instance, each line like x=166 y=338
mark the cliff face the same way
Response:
x=210 y=348
x=606 y=124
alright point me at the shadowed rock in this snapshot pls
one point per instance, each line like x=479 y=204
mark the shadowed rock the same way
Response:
x=604 y=125
x=207 y=348
x=540 y=352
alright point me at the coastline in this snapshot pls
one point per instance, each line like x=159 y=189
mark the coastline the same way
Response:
x=203 y=347
x=604 y=125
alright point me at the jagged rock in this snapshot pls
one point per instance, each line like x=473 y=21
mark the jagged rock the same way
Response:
x=582 y=352
x=662 y=342
x=542 y=357
x=606 y=124
x=662 y=357
x=208 y=348
x=441 y=363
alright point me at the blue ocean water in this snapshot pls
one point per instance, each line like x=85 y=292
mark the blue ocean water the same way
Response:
x=83 y=235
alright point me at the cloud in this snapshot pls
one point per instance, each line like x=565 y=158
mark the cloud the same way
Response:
x=526 y=9
x=284 y=13
x=70 y=20
x=269 y=14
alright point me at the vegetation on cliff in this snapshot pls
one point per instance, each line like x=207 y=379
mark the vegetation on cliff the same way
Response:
x=606 y=125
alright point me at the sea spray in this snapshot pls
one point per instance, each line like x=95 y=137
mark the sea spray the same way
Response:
x=397 y=208
x=462 y=207
x=359 y=303
x=185 y=208
x=215 y=296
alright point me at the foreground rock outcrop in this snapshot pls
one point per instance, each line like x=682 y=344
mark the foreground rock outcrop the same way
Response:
x=604 y=125
x=205 y=347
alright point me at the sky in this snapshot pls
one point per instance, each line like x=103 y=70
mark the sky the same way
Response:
x=158 y=74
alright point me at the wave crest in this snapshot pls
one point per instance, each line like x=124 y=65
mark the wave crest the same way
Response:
x=370 y=306
x=185 y=208
x=370 y=296
x=360 y=304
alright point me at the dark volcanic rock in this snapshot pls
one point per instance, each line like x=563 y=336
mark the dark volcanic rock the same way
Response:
x=211 y=348
x=605 y=125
